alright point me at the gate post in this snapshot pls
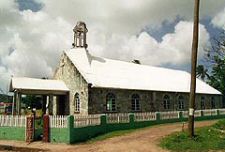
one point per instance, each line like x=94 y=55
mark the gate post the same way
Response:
x=45 y=128
x=70 y=126
x=30 y=129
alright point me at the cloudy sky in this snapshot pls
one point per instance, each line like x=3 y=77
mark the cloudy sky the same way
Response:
x=157 y=32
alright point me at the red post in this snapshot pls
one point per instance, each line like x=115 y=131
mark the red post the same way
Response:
x=45 y=128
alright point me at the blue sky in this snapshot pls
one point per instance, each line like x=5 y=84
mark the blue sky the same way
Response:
x=157 y=32
x=29 y=4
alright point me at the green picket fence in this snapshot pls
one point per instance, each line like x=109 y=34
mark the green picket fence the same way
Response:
x=81 y=128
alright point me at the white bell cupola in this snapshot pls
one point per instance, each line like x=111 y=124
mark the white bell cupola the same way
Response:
x=80 y=32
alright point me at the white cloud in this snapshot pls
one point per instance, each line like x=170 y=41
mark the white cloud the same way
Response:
x=219 y=20
x=128 y=16
x=175 y=47
x=31 y=42
x=32 y=47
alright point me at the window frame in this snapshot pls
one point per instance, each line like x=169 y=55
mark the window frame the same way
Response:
x=77 y=103
x=202 y=102
x=166 y=102
x=181 y=102
x=111 y=102
x=135 y=102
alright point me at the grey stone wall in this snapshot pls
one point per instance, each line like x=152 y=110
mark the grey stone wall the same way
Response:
x=149 y=100
x=68 y=73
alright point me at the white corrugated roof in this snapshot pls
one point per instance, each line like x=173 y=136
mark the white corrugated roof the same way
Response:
x=25 y=83
x=108 y=73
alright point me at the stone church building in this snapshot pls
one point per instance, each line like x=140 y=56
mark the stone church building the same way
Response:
x=96 y=85
x=101 y=85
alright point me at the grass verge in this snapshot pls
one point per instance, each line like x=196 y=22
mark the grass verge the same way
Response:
x=206 y=139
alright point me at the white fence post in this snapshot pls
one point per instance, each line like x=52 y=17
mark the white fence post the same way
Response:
x=12 y=121
x=58 y=121
x=87 y=120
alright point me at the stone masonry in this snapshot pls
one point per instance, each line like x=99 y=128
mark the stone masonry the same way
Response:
x=68 y=73
x=150 y=101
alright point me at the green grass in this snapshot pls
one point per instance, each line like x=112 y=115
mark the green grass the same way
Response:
x=206 y=139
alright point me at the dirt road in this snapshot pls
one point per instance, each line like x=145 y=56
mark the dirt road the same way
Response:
x=143 y=140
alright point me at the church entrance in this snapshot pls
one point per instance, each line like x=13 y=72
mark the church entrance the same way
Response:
x=61 y=105
x=37 y=128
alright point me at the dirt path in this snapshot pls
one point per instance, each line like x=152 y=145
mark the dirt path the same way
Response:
x=144 y=140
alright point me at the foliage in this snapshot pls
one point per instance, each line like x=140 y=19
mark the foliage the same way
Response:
x=217 y=78
x=220 y=124
x=206 y=139
x=5 y=98
x=32 y=101
x=202 y=72
x=214 y=68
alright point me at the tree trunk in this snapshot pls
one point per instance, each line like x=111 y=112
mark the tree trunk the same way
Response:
x=193 y=69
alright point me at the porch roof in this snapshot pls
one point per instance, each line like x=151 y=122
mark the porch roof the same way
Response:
x=37 y=86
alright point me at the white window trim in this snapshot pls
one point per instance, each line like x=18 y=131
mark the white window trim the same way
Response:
x=113 y=102
x=180 y=102
x=166 y=102
x=77 y=102
x=136 y=100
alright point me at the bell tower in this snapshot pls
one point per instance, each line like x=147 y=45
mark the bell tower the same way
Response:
x=80 y=32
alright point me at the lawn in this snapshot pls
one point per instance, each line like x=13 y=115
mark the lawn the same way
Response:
x=206 y=139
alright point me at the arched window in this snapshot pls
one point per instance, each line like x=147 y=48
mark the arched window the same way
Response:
x=213 y=104
x=77 y=102
x=135 y=102
x=181 y=102
x=202 y=102
x=110 y=102
x=166 y=102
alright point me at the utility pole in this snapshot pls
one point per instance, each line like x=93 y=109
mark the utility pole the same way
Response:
x=194 y=54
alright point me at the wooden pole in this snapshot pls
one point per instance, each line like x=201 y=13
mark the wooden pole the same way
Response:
x=193 y=69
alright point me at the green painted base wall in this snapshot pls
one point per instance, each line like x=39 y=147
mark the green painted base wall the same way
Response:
x=59 y=135
x=73 y=135
x=12 y=133
x=85 y=133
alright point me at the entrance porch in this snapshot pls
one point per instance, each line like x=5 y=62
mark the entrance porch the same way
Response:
x=52 y=92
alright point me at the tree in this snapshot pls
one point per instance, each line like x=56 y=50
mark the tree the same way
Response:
x=214 y=65
x=217 y=77
x=193 y=69
x=215 y=62
x=32 y=101
x=202 y=72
